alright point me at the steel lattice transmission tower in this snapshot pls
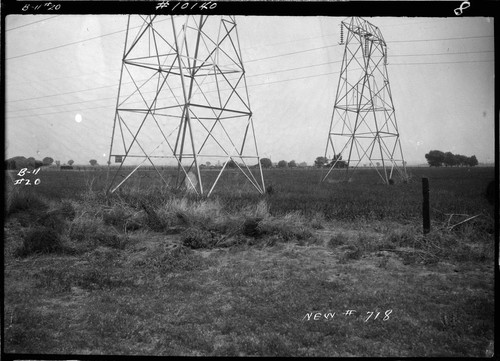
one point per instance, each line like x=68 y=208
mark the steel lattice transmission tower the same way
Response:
x=183 y=102
x=363 y=124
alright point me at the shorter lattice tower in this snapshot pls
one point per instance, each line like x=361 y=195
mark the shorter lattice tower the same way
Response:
x=183 y=107
x=363 y=125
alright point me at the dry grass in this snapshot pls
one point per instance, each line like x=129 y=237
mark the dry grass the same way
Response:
x=237 y=277
x=246 y=301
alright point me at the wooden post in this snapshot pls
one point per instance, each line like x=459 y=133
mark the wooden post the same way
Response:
x=425 y=205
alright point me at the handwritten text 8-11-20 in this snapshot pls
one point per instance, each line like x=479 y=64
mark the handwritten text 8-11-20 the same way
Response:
x=37 y=6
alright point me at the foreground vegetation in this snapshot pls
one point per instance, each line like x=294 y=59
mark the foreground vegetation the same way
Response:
x=153 y=270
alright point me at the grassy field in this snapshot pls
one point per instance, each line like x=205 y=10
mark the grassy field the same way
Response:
x=311 y=269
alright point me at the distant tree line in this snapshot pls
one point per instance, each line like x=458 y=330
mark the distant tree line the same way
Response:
x=267 y=163
x=336 y=161
x=23 y=162
x=19 y=162
x=437 y=158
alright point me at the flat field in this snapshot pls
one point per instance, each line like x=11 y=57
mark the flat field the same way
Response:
x=309 y=269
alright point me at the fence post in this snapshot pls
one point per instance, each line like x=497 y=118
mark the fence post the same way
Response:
x=425 y=205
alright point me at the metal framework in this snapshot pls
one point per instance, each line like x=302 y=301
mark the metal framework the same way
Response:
x=363 y=124
x=183 y=102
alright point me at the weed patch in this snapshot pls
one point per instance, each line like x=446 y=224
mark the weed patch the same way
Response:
x=436 y=245
x=317 y=221
x=337 y=239
x=18 y=201
x=251 y=227
x=40 y=240
x=287 y=228
x=351 y=252
x=198 y=238
x=87 y=233
x=53 y=220
x=67 y=210
x=83 y=228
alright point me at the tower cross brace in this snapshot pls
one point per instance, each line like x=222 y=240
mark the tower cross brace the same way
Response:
x=183 y=103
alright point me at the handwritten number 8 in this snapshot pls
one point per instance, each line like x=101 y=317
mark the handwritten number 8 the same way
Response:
x=464 y=5
x=387 y=313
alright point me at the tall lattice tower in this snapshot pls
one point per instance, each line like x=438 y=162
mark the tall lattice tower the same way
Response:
x=183 y=104
x=363 y=124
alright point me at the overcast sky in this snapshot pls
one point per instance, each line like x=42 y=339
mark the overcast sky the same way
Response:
x=441 y=73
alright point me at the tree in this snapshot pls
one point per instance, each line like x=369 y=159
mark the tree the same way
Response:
x=435 y=158
x=58 y=163
x=208 y=164
x=93 y=162
x=320 y=162
x=303 y=164
x=282 y=164
x=266 y=163
x=337 y=162
x=71 y=161
x=292 y=164
x=16 y=163
x=32 y=162
x=231 y=164
x=472 y=161
x=449 y=159
x=461 y=160
x=47 y=161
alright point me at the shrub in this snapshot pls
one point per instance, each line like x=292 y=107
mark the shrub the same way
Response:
x=53 y=220
x=401 y=238
x=109 y=239
x=83 y=228
x=261 y=209
x=251 y=227
x=152 y=220
x=448 y=246
x=124 y=217
x=136 y=221
x=337 y=240
x=317 y=221
x=67 y=210
x=197 y=238
x=115 y=216
x=40 y=240
x=173 y=258
x=351 y=252
x=287 y=228
x=183 y=211
x=56 y=218
x=90 y=232
x=370 y=243
x=436 y=245
x=18 y=201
